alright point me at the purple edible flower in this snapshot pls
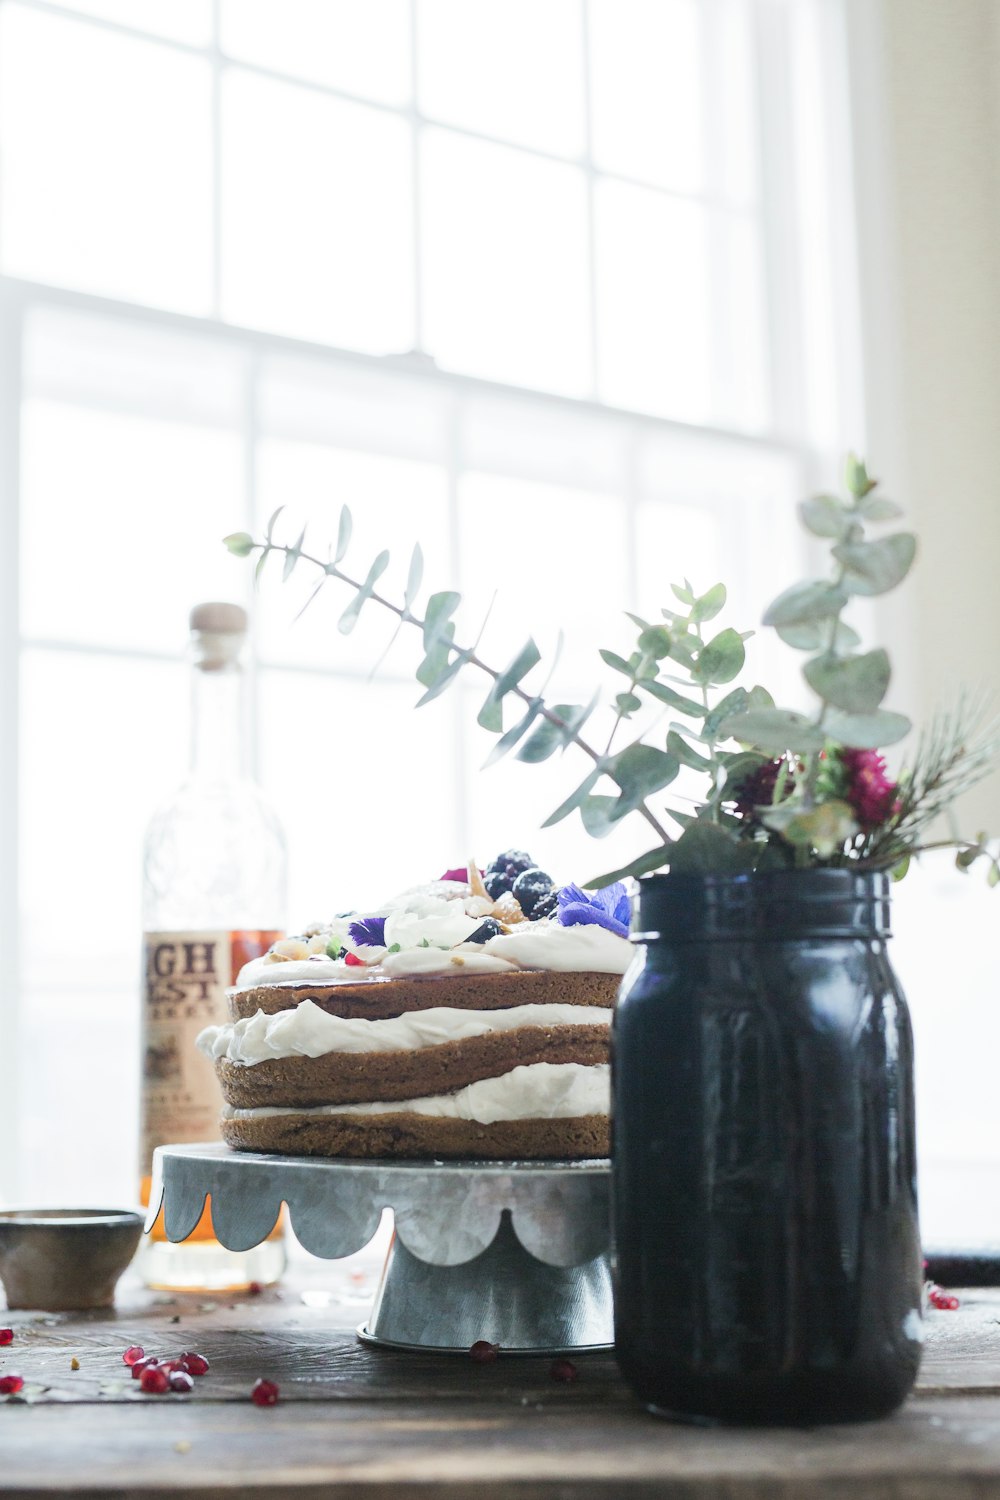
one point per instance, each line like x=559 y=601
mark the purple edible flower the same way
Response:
x=608 y=908
x=368 y=933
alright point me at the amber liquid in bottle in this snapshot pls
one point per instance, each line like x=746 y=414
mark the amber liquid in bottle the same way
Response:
x=213 y=898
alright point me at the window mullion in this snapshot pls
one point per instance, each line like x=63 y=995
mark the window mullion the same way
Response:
x=772 y=47
x=591 y=174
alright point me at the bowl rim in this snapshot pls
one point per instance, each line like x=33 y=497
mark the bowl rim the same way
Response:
x=34 y=1216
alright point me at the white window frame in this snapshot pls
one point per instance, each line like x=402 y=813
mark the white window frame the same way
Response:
x=786 y=436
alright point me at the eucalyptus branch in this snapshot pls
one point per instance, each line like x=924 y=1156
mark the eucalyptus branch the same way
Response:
x=246 y=546
x=786 y=789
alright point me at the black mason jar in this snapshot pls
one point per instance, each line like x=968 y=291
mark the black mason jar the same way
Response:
x=766 y=1250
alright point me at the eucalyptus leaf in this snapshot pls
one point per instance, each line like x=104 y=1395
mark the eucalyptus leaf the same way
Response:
x=683 y=594
x=344 y=528
x=616 y=662
x=856 y=684
x=547 y=737
x=437 y=615
x=709 y=604
x=574 y=799
x=643 y=864
x=825 y=515
x=706 y=849
x=641 y=770
x=856 y=477
x=804 y=602
x=349 y=618
x=445 y=678
x=436 y=659
x=240 y=543
x=655 y=641
x=415 y=576
x=814 y=635
x=269 y=533
x=491 y=714
x=721 y=659
x=597 y=813
x=259 y=568
x=686 y=753
x=735 y=702
x=515 y=734
x=292 y=556
x=665 y=694
x=627 y=704
x=775 y=730
x=876 y=567
x=825 y=827
x=867 y=731
x=879 y=509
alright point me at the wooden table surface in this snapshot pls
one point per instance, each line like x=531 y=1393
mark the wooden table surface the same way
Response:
x=358 y=1422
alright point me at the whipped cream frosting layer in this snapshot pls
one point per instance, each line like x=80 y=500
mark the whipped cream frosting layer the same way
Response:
x=531 y=945
x=549 y=945
x=533 y=1091
x=308 y=1031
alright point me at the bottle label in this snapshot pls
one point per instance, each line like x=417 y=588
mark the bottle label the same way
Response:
x=186 y=975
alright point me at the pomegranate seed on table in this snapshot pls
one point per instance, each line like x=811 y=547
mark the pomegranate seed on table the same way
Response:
x=11 y=1384
x=192 y=1363
x=6 y=1336
x=180 y=1380
x=143 y=1364
x=483 y=1352
x=264 y=1393
x=133 y=1354
x=154 y=1380
x=564 y=1370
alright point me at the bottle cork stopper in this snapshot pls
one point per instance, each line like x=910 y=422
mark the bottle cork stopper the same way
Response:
x=219 y=618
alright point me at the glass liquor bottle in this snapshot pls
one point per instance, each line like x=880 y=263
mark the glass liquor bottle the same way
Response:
x=213 y=898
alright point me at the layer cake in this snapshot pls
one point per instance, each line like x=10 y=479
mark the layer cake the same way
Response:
x=446 y=1024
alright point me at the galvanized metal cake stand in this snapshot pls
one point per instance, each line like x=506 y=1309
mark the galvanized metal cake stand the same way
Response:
x=512 y=1252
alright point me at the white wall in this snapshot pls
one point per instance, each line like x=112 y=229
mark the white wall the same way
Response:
x=926 y=79
x=926 y=117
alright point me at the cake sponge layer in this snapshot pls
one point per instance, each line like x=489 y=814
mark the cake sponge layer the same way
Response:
x=418 y=1137
x=380 y=999
x=357 y=1077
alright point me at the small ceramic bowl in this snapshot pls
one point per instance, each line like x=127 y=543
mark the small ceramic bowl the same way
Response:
x=65 y=1259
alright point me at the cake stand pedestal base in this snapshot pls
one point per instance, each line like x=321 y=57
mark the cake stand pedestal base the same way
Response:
x=511 y=1252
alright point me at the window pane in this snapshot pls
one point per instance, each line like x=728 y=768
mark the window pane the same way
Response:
x=122 y=523
x=102 y=742
x=394 y=503
x=653 y=301
x=363 y=49
x=646 y=90
x=316 y=216
x=741 y=381
x=505 y=268
x=556 y=559
x=511 y=68
x=107 y=182
x=365 y=787
x=181 y=20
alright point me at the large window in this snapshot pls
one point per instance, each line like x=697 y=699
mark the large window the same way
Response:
x=562 y=289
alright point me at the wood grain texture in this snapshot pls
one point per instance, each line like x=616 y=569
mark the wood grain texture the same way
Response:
x=358 y=1422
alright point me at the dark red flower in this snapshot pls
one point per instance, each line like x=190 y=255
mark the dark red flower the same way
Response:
x=874 y=798
x=757 y=790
